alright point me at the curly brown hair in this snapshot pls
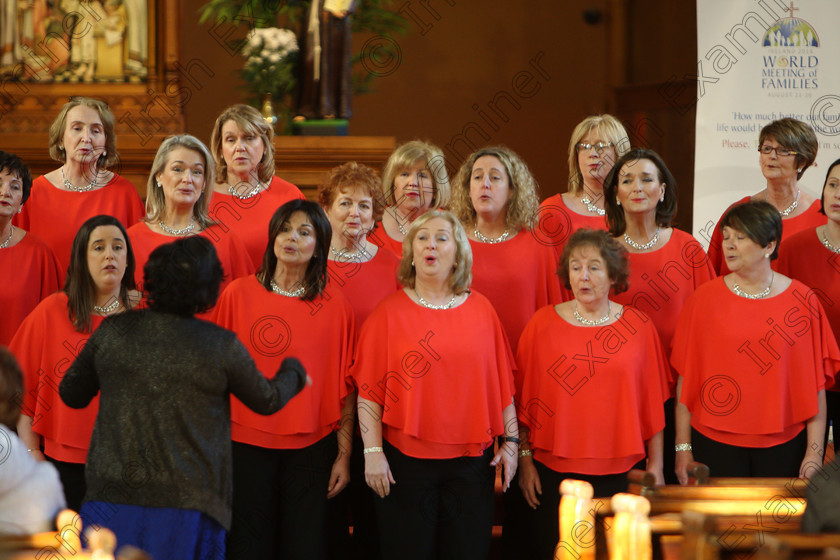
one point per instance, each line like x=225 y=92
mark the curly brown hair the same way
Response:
x=524 y=202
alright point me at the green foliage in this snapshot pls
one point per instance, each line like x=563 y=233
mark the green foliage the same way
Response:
x=370 y=17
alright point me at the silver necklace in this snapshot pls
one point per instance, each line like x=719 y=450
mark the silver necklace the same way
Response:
x=288 y=293
x=826 y=243
x=592 y=322
x=113 y=306
x=424 y=303
x=399 y=225
x=786 y=212
x=71 y=187
x=255 y=190
x=345 y=255
x=485 y=239
x=12 y=232
x=762 y=294
x=643 y=246
x=182 y=231
x=591 y=207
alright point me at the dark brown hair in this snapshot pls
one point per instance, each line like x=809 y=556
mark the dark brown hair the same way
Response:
x=665 y=210
x=759 y=220
x=79 y=286
x=315 y=278
x=614 y=255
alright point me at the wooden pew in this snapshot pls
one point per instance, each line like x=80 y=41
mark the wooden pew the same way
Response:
x=703 y=540
x=746 y=506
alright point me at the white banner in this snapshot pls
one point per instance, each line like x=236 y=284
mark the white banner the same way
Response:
x=758 y=61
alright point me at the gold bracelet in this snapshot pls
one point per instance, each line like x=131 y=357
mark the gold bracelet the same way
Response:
x=682 y=447
x=526 y=453
x=373 y=450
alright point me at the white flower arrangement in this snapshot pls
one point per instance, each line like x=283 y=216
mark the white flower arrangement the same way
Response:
x=270 y=55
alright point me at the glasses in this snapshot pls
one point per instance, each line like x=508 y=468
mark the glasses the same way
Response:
x=780 y=152
x=598 y=147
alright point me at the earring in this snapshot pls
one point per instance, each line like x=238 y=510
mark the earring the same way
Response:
x=663 y=198
x=412 y=264
x=766 y=255
x=799 y=170
x=158 y=184
x=617 y=202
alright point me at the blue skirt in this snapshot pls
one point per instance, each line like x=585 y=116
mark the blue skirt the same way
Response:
x=179 y=534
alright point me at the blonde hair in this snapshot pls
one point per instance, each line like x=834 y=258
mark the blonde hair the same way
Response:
x=524 y=201
x=605 y=125
x=249 y=120
x=408 y=154
x=155 y=199
x=461 y=277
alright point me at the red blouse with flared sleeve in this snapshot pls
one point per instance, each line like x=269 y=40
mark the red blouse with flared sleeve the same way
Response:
x=810 y=218
x=381 y=239
x=804 y=257
x=230 y=250
x=661 y=281
x=249 y=217
x=55 y=215
x=518 y=276
x=45 y=345
x=319 y=333
x=752 y=369
x=443 y=377
x=557 y=222
x=28 y=273
x=591 y=396
x=364 y=284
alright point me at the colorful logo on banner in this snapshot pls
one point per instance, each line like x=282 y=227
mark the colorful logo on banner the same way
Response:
x=790 y=58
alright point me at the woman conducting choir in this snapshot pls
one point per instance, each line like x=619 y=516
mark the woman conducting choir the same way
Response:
x=28 y=269
x=177 y=198
x=246 y=192
x=787 y=148
x=495 y=197
x=811 y=256
x=364 y=272
x=100 y=282
x=83 y=139
x=414 y=180
x=159 y=467
x=433 y=369
x=754 y=353
x=595 y=144
x=287 y=465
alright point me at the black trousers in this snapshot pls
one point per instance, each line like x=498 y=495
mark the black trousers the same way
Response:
x=72 y=477
x=280 y=501
x=781 y=460
x=438 y=508
x=546 y=518
x=832 y=415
